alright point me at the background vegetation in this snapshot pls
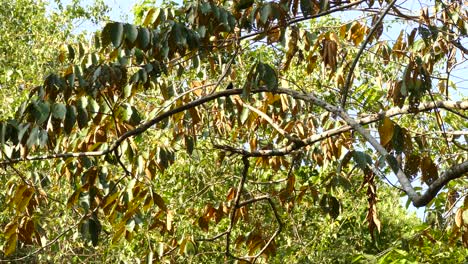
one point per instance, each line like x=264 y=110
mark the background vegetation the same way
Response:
x=234 y=131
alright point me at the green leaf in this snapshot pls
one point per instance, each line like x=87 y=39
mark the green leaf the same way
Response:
x=116 y=34
x=131 y=32
x=306 y=7
x=244 y=4
x=42 y=137
x=142 y=76
x=33 y=137
x=267 y=75
x=189 y=144
x=82 y=117
x=59 y=111
x=135 y=118
x=180 y=35
x=105 y=35
x=40 y=111
x=143 y=38
x=398 y=139
x=244 y=115
x=94 y=227
x=71 y=53
x=324 y=5
x=70 y=119
x=362 y=159
x=265 y=13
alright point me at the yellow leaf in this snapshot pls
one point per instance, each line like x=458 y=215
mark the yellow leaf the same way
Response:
x=10 y=245
x=10 y=229
x=26 y=197
x=386 y=131
x=169 y=220
x=441 y=86
x=459 y=217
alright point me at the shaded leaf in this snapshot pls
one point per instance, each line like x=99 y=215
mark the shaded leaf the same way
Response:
x=131 y=32
x=116 y=33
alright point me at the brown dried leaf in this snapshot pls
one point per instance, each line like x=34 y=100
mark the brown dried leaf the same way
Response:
x=429 y=170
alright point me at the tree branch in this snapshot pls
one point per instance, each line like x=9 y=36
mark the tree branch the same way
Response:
x=417 y=199
x=245 y=161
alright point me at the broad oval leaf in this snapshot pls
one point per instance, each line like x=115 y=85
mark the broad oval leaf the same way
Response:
x=116 y=34
x=59 y=111
x=143 y=38
x=131 y=32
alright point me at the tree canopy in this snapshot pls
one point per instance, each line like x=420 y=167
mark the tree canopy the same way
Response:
x=249 y=131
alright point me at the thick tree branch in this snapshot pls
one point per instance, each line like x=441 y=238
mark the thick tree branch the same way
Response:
x=417 y=199
x=368 y=119
x=448 y=105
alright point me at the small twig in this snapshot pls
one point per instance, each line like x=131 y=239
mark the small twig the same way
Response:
x=245 y=161
x=361 y=50
x=285 y=134
x=43 y=247
x=211 y=239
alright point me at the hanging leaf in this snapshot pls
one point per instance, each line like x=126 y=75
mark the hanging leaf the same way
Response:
x=94 y=228
x=71 y=53
x=398 y=139
x=70 y=119
x=33 y=137
x=131 y=33
x=189 y=144
x=386 y=131
x=143 y=38
x=429 y=170
x=306 y=7
x=10 y=245
x=59 y=111
x=362 y=159
x=244 y=4
x=267 y=75
x=40 y=111
x=116 y=34
x=82 y=117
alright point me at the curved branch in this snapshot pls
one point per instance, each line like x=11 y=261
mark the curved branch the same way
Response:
x=418 y=200
x=236 y=206
x=448 y=105
x=394 y=111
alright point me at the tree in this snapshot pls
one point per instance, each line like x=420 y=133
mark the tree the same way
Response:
x=212 y=123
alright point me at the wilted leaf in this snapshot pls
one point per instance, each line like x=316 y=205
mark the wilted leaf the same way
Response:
x=429 y=170
x=459 y=217
x=158 y=200
x=10 y=245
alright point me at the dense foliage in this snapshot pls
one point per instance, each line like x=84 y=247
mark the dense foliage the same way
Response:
x=249 y=131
